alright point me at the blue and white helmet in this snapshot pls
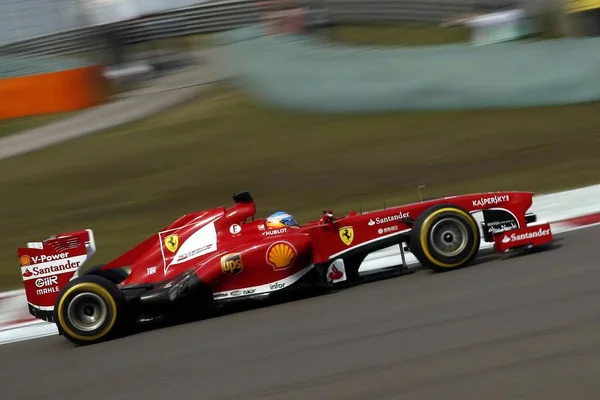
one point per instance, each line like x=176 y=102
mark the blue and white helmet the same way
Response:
x=281 y=219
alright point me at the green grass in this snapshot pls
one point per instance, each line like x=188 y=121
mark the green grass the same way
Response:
x=423 y=34
x=396 y=35
x=128 y=182
x=17 y=125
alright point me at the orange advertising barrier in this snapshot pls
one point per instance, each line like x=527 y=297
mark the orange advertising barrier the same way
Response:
x=52 y=92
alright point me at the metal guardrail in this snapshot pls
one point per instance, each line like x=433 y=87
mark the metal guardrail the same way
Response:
x=231 y=14
x=203 y=18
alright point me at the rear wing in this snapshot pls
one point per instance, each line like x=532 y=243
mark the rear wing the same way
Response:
x=47 y=266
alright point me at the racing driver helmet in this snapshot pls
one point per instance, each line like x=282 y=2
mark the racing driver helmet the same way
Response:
x=281 y=219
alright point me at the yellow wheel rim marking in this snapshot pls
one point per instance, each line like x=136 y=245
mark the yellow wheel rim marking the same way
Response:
x=427 y=224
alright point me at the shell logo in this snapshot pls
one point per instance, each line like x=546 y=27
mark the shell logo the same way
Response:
x=25 y=260
x=281 y=255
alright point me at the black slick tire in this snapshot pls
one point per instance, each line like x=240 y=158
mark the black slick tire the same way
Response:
x=116 y=276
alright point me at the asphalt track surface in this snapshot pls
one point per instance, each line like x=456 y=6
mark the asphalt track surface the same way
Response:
x=513 y=328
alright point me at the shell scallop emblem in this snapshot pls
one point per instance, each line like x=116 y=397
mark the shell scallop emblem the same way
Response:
x=25 y=260
x=281 y=255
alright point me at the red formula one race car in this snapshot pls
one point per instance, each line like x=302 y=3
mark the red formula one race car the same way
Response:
x=207 y=258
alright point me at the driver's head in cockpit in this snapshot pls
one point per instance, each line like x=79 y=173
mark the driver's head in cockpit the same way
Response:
x=281 y=219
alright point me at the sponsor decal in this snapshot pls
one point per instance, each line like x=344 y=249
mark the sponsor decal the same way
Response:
x=498 y=221
x=195 y=252
x=276 y=286
x=172 y=243
x=268 y=287
x=235 y=229
x=231 y=264
x=491 y=200
x=51 y=269
x=496 y=227
x=281 y=255
x=47 y=285
x=47 y=281
x=275 y=232
x=245 y=292
x=388 y=229
x=25 y=260
x=261 y=227
x=514 y=237
x=52 y=257
x=336 y=272
x=346 y=234
x=54 y=289
x=151 y=270
x=391 y=218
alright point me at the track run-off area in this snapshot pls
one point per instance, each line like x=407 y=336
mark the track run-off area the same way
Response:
x=521 y=327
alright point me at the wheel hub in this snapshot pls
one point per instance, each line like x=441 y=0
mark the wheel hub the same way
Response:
x=448 y=237
x=87 y=311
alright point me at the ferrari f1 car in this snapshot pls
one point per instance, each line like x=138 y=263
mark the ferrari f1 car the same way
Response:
x=209 y=257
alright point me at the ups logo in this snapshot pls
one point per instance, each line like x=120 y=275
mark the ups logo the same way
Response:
x=231 y=264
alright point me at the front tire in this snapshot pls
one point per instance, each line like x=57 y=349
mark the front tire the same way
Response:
x=89 y=309
x=445 y=237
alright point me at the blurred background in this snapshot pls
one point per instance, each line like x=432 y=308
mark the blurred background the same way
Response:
x=117 y=33
x=312 y=104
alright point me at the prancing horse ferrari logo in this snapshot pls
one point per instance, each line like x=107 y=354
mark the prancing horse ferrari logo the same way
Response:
x=172 y=243
x=347 y=234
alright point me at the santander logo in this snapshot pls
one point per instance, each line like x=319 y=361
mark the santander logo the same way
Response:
x=335 y=274
x=51 y=269
x=525 y=236
x=53 y=264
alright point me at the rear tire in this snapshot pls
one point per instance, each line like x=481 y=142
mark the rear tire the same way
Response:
x=116 y=275
x=89 y=309
x=445 y=237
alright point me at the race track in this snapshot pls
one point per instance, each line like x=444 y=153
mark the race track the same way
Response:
x=519 y=328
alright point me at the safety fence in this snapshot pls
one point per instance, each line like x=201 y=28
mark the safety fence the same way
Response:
x=301 y=72
x=219 y=16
